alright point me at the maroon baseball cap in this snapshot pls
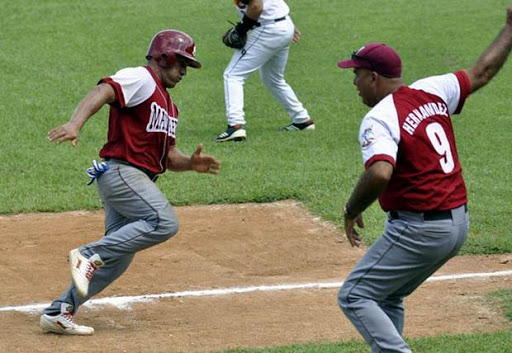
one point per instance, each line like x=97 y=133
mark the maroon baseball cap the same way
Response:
x=377 y=57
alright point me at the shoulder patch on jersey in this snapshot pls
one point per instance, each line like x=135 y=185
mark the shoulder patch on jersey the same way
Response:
x=368 y=138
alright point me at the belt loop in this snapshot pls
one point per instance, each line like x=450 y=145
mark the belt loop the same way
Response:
x=393 y=215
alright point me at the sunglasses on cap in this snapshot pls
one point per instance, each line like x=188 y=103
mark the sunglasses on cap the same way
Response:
x=364 y=58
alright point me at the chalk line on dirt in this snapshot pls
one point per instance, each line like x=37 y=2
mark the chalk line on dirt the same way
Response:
x=125 y=301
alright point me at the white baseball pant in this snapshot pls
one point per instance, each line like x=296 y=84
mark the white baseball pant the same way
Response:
x=266 y=50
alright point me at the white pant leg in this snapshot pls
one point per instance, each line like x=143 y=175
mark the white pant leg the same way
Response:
x=266 y=49
x=272 y=75
x=243 y=63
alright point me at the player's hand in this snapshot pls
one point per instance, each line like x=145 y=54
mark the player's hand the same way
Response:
x=204 y=163
x=66 y=132
x=509 y=15
x=296 y=35
x=353 y=237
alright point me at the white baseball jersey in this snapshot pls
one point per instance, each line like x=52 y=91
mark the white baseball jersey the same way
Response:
x=412 y=130
x=272 y=9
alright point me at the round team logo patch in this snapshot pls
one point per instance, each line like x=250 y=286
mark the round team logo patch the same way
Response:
x=368 y=138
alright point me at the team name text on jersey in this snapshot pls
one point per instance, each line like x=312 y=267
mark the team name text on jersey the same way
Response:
x=160 y=121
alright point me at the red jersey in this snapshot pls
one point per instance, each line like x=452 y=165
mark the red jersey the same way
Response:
x=412 y=129
x=142 y=120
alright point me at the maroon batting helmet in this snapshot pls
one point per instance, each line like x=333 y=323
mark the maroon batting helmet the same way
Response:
x=170 y=43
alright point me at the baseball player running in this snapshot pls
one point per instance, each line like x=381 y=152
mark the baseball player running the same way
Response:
x=141 y=145
x=409 y=152
x=262 y=39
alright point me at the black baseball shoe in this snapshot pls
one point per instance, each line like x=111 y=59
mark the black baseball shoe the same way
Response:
x=234 y=133
x=307 y=125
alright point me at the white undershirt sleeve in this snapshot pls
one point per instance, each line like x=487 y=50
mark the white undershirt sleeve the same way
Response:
x=379 y=133
x=446 y=87
x=137 y=84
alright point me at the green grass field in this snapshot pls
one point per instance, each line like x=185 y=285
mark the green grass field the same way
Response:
x=54 y=51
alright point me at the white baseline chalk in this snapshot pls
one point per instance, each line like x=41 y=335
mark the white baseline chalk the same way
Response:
x=126 y=301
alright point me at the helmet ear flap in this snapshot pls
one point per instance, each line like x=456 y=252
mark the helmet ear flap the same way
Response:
x=167 y=59
x=164 y=59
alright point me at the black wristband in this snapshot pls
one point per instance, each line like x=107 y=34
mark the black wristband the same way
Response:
x=245 y=25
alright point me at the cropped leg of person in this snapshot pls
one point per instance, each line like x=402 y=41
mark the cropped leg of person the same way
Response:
x=406 y=254
x=113 y=269
x=133 y=195
x=243 y=63
x=137 y=216
x=272 y=76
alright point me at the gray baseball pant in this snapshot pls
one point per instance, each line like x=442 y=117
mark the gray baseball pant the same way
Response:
x=137 y=216
x=410 y=250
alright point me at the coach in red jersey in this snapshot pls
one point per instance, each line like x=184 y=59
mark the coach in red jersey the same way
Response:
x=412 y=167
x=141 y=145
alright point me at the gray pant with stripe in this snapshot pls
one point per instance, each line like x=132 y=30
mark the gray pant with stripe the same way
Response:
x=410 y=250
x=137 y=216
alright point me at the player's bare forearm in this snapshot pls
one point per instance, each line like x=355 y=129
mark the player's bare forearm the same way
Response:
x=491 y=60
x=254 y=9
x=199 y=162
x=178 y=161
x=370 y=185
x=95 y=99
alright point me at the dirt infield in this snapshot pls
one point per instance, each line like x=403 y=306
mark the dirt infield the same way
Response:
x=220 y=247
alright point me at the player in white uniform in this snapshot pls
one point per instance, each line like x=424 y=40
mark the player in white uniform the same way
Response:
x=267 y=47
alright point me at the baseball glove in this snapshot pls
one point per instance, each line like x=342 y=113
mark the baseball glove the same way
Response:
x=234 y=39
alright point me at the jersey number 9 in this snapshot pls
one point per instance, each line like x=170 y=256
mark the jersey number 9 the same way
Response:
x=437 y=136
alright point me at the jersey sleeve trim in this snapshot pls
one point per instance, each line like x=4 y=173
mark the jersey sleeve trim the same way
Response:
x=120 y=102
x=464 y=84
x=380 y=157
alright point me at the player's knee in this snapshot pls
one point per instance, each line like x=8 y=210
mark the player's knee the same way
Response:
x=267 y=81
x=230 y=77
x=165 y=224
x=343 y=298
x=168 y=225
x=275 y=84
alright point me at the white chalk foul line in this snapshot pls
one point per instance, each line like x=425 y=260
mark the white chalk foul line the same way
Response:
x=126 y=301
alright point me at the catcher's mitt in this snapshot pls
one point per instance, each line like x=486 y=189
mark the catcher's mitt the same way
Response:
x=234 y=39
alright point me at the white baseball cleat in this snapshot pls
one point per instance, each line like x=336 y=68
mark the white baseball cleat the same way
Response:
x=64 y=323
x=82 y=270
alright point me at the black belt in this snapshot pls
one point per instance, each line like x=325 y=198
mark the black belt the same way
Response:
x=433 y=215
x=270 y=21
x=151 y=175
